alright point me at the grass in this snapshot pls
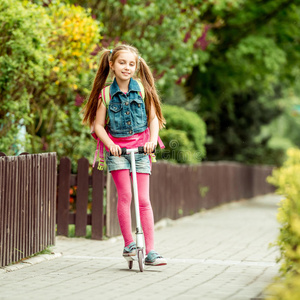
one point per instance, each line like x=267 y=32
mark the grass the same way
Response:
x=47 y=250
x=71 y=231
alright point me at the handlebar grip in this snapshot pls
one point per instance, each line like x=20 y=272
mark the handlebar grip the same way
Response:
x=141 y=150
x=122 y=153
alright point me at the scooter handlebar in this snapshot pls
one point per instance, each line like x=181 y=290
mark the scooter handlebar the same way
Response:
x=140 y=150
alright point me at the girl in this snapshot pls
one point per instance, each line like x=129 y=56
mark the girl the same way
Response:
x=128 y=121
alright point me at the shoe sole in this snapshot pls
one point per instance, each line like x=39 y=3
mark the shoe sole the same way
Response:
x=130 y=254
x=157 y=262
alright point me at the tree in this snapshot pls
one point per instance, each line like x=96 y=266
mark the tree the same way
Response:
x=165 y=33
x=253 y=61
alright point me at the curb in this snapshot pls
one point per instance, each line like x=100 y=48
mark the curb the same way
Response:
x=29 y=262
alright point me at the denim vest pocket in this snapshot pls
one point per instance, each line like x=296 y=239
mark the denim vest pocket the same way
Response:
x=137 y=107
x=115 y=115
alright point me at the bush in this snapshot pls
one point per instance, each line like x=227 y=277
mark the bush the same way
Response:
x=23 y=67
x=46 y=68
x=286 y=289
x=184 y=136
x=287 y=180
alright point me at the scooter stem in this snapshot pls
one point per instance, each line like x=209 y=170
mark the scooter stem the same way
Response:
x=139 y=231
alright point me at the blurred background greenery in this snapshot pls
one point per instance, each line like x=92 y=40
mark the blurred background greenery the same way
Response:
x=227 y=72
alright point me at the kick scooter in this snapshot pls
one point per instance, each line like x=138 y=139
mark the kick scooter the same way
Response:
x=140 y=255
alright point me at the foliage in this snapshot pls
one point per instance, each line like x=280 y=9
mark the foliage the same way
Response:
x=285 y=129
x=239 y=126
x=287 y=180
x=53 y=78
x=23 y=67
x=235 y=59
x=254 y=60
x=74 y=39
x=184 y=136
x=286 y=289
x=168 y=34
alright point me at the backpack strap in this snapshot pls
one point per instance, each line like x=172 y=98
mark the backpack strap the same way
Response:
x=160 y=142
x=106 y=100
x=106 y=97
x=99 y=149
x=105 y=94
x=142 y=92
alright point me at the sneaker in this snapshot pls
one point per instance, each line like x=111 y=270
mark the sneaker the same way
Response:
x=130 y=250
x=154 y=259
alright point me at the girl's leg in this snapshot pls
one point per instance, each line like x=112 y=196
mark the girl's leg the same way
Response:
x=123 y=184
x=146 y=212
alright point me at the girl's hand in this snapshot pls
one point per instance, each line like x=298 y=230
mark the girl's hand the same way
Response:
x=115 y=150
x=149 y=147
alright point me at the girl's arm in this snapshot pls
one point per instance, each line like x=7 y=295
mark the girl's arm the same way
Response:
x=101 y=132
x=154 y=128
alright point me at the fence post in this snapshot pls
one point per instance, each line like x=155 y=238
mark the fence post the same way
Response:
x=97 y=203
x=53 y=186
x=2 y=183
x=63 y=196
x=82 y=197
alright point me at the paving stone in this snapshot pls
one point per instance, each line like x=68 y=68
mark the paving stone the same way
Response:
x=217 y=254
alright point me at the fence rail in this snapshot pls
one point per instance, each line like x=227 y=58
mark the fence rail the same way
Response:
x=27 y=205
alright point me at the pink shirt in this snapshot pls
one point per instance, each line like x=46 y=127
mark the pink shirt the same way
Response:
x=133 y=141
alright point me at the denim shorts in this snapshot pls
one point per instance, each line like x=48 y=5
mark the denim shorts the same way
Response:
x=142 y=163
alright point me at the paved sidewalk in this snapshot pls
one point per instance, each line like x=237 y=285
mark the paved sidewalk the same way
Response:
x=218 y=254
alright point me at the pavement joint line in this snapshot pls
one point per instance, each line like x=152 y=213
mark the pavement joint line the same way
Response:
x=186 y=260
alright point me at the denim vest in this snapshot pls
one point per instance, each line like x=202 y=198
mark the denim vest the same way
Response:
x=127 y=113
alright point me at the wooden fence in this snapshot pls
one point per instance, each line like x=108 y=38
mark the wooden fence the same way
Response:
x=28 y=192
x=181 y=190
x=27 y=205
x=82 y=180
x=175 y=191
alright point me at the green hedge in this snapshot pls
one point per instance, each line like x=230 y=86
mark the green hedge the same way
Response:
x=184 y=136
x=287 y=180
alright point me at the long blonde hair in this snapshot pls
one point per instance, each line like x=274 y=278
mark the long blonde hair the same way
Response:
x=143 y=72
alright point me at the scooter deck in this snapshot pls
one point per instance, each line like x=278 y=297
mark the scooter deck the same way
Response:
x=131 y=258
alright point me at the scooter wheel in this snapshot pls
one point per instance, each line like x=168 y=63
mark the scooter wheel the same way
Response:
x=141 y=259
x=130 y=264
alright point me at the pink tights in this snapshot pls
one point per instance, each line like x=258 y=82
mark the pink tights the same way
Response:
x=123 y=184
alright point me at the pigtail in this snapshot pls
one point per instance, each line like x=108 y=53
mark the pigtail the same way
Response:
x=90 y=109
x=151 y=95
